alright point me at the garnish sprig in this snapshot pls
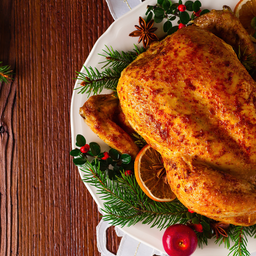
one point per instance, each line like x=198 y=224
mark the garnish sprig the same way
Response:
x=168 y=11
x=145 y=31
x=114 y=58
x=239 y=236
x=111 y=162
x=94 y=81
x=125 y=204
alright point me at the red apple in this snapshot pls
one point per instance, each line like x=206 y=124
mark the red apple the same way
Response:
x=179 y=240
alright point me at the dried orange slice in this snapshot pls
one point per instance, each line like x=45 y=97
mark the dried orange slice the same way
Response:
x=151 y=175
x=245 y=10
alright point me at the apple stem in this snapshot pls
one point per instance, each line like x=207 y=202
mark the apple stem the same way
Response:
x=181 y=244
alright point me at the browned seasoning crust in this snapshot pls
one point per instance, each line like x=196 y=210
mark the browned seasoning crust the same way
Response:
x=227 y=26
x=100 y=112
x=192 y=100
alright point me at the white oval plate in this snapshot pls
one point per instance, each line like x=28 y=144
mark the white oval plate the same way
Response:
x=117 y=36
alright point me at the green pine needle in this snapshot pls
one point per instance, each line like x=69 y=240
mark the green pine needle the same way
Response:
x=94 y=81
x=118 y=59
x=223 y=240
x=5 y=73
x=239 y=237
x=125 y=204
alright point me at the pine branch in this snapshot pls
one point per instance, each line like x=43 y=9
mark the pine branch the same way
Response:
x=5 y=73
x=223 y=240
x=114 y=58
x=253 y=231
x=94 y=81
x=126 y=204
x=238 y=235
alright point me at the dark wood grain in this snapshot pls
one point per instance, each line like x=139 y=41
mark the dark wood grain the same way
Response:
x=8 y=137
x=45 y=208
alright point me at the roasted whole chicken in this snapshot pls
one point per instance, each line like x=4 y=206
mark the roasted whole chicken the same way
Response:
x=193 y=101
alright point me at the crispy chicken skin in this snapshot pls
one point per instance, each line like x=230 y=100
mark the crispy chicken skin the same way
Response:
x=227 y=26
x=102 y=114
x=192 y=100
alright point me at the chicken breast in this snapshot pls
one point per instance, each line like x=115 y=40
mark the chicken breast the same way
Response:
x=193 y=101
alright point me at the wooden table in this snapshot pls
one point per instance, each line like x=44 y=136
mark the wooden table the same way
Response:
x=45 y=207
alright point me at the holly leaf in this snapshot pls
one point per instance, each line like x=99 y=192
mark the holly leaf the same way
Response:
x=167 y=26
x=189 y=215
x=184 y=17
x=114 y=154
x=103 y=165
x=79 y=161
x=158 y=19
x=159 y=12
x=95 y=148
x=110 y=161
x=172 y=30
x=166 y=5
x=100 y=155
x=129 y=166
x=126 y=159
x=172 y=18
x=149 y=17
x=75 y=152
x=196 y=6
x=195 y=220
x=189 y=5
x=204 y=11
x=80 y=140
x=112 y=174
x=149 y=9
x=90 y=153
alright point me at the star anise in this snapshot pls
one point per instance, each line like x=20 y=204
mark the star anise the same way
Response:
x=145 y=32
x=220 y=228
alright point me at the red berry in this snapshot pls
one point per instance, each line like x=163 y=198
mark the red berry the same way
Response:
x=198 y=227
x=197 y=14
x=106 y=156
x=84 y=149
x=181 y=25
x=182 y=8
x=190 y=211
x=128 y=173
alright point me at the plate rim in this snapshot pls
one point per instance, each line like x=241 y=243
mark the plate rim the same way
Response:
x=92 y=53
